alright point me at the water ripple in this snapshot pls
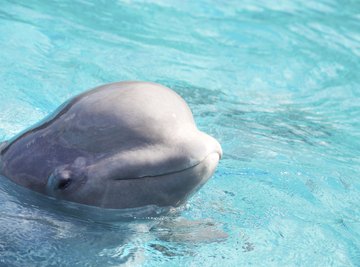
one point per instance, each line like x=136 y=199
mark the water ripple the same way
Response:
x=275 y=81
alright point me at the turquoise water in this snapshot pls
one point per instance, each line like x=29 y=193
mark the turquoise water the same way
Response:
x=276 y=82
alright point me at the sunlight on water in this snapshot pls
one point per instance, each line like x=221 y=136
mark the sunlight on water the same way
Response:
x=276 y=82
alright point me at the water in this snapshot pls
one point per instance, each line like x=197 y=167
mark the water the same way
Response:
x=276 y=82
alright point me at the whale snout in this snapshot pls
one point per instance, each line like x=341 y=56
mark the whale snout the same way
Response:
x=211 y=153
x=177 y=188
x=174 y=188
x=166 y=180
x=211 y=145
x=215 y=155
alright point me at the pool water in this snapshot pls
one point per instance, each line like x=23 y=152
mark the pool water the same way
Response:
x=276 y=82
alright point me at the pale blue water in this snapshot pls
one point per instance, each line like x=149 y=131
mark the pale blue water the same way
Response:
x=276 y=82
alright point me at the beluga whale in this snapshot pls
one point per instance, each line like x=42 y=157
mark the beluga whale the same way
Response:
x=118 y=146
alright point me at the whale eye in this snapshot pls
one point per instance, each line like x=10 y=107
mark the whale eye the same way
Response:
x=64 y=183
x=59 y=180
x=65 y=180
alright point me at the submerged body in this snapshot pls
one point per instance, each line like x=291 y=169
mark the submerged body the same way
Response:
x=121 y=145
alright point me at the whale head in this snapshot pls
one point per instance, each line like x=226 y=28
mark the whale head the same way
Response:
x=121 y=145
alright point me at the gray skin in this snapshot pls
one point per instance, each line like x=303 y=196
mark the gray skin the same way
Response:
x=120 y=145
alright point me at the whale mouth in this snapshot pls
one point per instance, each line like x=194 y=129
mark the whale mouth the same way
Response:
x=213 y=155
x=170 y=189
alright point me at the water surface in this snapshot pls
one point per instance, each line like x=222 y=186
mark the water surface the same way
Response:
x=276 y=82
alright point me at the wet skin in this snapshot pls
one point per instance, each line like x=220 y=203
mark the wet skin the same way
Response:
x=120 y=145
